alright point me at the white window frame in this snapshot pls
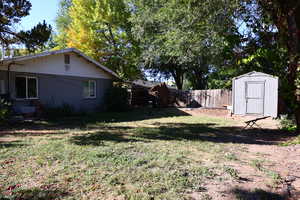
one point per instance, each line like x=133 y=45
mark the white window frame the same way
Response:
x=37 y=87
x=95 y=89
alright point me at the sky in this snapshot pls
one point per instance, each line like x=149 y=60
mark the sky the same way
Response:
x=40 y=10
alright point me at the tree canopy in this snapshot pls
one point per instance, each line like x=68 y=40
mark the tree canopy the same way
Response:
x=36 y=38
x=183 y=38
x=11 y=12
x=101 y=30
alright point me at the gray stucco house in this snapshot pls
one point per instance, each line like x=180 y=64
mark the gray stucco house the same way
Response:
x=55 y=78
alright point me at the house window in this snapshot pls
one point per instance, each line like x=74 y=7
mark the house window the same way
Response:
x=89 y=89
x=67 y=59
x=26 y=87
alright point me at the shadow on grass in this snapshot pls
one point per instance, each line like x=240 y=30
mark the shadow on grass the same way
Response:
x=98 y=139
x=159 y=131
x=257 y=194
x=11 y=144
x=91 y=120
x=33 y=193
x=192 y=132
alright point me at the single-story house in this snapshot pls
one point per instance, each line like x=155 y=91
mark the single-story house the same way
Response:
x=53 y=79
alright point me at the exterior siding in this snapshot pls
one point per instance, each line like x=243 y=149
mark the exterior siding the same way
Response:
x=55 y=90
x=54 y=65
x=270 y=94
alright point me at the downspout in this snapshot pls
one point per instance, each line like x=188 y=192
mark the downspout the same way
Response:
x=8 y=80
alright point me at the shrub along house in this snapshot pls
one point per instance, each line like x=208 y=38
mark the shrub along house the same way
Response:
x=53 y=79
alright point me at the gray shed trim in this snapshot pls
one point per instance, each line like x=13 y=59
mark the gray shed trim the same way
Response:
x=254 y=73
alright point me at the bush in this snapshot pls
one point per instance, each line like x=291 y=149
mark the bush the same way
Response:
x=65 y=110
x=117 y=99
x=288 y=123
x=5 y=110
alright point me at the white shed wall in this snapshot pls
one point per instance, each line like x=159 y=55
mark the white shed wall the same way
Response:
x=54 y=64
x=270 y=95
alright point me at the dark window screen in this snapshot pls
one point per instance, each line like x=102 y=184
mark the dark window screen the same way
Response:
x=21 y=87
x=32 y=90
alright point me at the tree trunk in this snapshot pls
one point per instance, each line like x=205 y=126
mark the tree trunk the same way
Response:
x=293 y=51
x=178 y=77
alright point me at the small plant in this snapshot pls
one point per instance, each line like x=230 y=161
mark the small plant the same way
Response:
x=5 y=110
x=231 y=156
x=232 y=172
x=65 y=110
x=117 y=99
x=288 y=123
x=257 y=164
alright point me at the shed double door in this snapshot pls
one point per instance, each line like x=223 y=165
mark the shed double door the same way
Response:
x=255 y=93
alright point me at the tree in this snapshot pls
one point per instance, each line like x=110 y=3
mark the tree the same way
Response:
x=63 y=21
x=11 y=12
x=36 y=38
x=182 y=37
x=100 y=28
x=285 y=14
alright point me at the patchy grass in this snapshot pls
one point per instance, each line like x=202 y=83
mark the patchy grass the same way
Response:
x=294 y=141
x=160 y=154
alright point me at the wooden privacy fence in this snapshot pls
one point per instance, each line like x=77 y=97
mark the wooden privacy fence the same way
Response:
x=217 y=98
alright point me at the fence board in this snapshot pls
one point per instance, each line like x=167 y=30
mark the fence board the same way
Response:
x=217 y=98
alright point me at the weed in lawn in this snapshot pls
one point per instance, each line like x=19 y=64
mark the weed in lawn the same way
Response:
x=257 y=164
x=231 y=156
x=232 y=172
x=275 y=177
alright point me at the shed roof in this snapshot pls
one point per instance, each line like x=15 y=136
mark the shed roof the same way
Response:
x=253 y=74
x=69 y=50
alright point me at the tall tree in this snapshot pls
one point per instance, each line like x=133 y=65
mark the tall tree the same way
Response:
x=36 y=38
x=285 y=14
x=11 y=12
x=182 y=36
x=63 y=21
x=100 y=28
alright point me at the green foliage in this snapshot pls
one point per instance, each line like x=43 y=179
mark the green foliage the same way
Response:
x=5 y=110
x=11 y=13
x=63 y=21
x=288 y=123
x=36 y=38
x=101 y=30
x=65 y=110
x=117 y=99
x=182 y=38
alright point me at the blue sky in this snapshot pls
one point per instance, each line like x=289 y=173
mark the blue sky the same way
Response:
x=40 y=10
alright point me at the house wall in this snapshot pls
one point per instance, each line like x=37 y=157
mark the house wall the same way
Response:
x=270 y=95
x=55 y=90
x=54 y=65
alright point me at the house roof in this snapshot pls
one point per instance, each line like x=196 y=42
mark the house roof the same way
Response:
x=69 y=50
x=254 y=73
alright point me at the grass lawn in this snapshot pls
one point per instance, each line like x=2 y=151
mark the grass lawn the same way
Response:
x=163 y=154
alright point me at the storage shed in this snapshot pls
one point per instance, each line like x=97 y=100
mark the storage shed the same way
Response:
x=255 y=93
